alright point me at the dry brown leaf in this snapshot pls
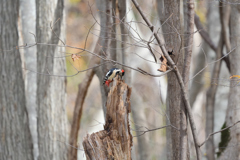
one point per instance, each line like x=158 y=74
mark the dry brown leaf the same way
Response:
x=75 y=57
x=163 y=67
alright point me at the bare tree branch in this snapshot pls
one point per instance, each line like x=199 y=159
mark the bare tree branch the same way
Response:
x=225 y=11
x=208 y=40
x=203 y=33
x=150 y=130
x=218 y=132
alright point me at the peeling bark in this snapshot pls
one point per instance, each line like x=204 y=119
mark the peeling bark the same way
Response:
x=115 y=141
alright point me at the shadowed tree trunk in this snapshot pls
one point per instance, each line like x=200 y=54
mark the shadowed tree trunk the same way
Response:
x=51 y=91
x=15 y=141
x=115 y=141
x=232 y=150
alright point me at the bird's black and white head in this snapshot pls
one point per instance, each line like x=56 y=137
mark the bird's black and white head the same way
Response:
x=111 y=74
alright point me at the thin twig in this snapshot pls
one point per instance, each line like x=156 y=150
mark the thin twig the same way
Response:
x=203 y=33
x=150 y=130
x=218 y=132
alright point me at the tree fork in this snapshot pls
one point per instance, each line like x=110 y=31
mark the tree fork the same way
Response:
x=115 y=141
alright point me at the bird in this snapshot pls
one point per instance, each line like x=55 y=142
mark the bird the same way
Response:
x=112 y=73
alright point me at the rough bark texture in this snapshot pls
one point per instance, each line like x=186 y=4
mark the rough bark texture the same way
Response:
x=15 y=141
x=177 y=69
x=173 y=42
x=28 y=19
x=115 y=141
x=232 y=150
x=51 y=91
x=169 y=151
x=188 y=43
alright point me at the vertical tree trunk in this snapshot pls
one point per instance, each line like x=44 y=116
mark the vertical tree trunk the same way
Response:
x=28 y=19
x=173 y=43
x=115 y=141
x=15 y=135
x=51 y=90
x=169 y=151
x=113 y=49
x=232 y=150
x=105 y=7
x=188 y=44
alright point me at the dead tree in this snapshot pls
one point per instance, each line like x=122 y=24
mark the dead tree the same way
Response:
x=115 y=141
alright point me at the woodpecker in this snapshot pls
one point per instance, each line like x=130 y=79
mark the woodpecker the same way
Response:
x=112 y=73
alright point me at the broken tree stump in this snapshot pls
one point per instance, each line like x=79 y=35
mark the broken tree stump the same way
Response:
x=115 y=141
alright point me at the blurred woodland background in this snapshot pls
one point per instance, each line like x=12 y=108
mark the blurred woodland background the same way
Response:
x=49 y=103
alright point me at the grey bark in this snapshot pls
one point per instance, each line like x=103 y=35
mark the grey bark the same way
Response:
x=232 y=150
x=173 y=42
x=15 y=141
x=126 y=58
x=213 y=19
x=160 y=9
x=51 y=91
x=188 y=44
x=174 y=67
x=211 y=104
x=113 y=49
x=28 y=19
x=105 y=13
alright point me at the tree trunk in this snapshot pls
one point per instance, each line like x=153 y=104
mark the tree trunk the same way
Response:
x=232 y=150
x=115 y=141
x=173 y=43
x=15 y=135
x=28 y=19
x=105 y=8
x=188 y=28
x=51 y=91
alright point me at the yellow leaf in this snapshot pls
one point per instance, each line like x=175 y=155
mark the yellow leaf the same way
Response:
x=238 y=76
